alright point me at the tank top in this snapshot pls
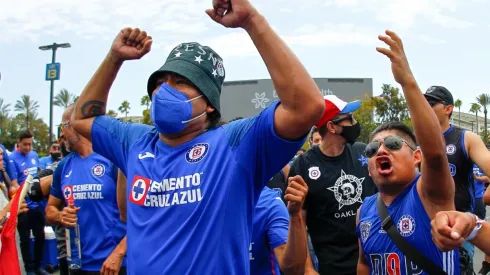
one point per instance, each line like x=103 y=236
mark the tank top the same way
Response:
x=413 y=223
x=278 y=184
x=461 y=169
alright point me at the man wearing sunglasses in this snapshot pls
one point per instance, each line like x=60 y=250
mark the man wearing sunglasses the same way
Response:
x=412 y=199
x=463 y=149
x=338 y=180
x=49 y=162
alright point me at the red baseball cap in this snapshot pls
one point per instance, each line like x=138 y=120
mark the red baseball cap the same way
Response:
x=335 y=106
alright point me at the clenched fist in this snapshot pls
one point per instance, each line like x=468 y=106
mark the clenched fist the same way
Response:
x=232 y=13
x=296 y=194
x=131 y=44
x=68 y=216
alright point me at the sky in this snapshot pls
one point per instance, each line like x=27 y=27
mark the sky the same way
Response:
x=447 y=42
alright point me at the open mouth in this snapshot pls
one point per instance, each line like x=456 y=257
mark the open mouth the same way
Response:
x=384 y=165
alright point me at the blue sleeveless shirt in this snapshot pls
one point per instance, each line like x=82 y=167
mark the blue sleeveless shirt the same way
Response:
x=413 y=223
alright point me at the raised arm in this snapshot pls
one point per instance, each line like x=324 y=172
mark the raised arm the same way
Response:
x=437 y=183
x=302 y=104
x=477 y=151
x=129 y=44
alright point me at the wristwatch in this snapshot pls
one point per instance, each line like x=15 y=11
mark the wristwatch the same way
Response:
x=478 y=225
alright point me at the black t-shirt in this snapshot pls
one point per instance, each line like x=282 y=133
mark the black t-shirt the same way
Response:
x=337 y=187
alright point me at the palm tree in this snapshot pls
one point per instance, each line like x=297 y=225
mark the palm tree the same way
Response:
x=458 y=104
x=4 y=111
x=27 y=107
x=124 y=108
x=111 y=113
x=475 y=108
x=145 y=101
x=484 y=101
x=63 y=98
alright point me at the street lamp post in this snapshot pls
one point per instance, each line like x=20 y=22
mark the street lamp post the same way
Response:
x=53 y=47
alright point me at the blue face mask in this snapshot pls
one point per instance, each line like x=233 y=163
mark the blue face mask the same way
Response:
x=171 y=110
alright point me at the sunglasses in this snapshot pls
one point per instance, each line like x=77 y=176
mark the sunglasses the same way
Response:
x=433 y=102
x=63 y=125
x=392 y=143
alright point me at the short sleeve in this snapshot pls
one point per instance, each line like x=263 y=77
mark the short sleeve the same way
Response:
x=55 y=189
x=258 y=147
x=278 y=224
x=9 y=165
x=42 y=163
x=112 y=138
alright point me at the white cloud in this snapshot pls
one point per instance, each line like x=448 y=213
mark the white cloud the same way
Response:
x=431 y=40
x=285 y=10
x=346 y=3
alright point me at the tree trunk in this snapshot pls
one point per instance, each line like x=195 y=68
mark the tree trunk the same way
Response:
x=485 y=123
x=459 y=116
x=476 y=117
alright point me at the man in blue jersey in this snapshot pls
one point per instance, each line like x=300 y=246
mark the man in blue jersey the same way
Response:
x=50 y=162
x=480 y=210
x=412 y=199
x=270 y=238
x=7 y=169
x=192 y=187
x=26 y=162
x=89 y=181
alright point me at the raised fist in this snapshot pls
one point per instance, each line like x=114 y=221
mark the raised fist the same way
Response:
x=296 y=194
x=232 y=13
x=131 y=44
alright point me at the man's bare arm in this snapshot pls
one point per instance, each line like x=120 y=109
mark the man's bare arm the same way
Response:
x=436 y=184
x=93 y=100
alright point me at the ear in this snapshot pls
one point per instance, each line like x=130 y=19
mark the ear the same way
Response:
x=210 y=108
x=449 y=109
x=331 y=127
x=417 y=157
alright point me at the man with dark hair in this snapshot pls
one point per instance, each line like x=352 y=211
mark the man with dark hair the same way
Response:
x=50 y=161
x=315 y=138
x=192 y=182
x=463 y=149
x=338 y=180
x=411 y=198
x=26 y=162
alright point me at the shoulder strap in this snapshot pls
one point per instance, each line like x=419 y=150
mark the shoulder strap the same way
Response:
x=410 y=251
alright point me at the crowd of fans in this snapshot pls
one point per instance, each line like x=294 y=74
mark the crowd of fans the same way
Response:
x=196 y=195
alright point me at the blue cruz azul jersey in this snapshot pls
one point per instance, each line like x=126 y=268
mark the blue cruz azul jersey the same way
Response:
x=46 y=163
x=270 y=230
x=91 y=183
x=413 y=223
x=190 y=207
x=8 y=165
x=25 y=165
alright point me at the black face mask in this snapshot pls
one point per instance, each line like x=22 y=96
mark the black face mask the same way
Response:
x=351 y=133
x=55 y=156
x=64 y=151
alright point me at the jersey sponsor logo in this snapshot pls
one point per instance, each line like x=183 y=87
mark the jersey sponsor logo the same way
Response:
x=146 y=155
x=347 y=189
x=314 y=172
x=197 y=152
x=68 y=192
x=452 y=169
x=98 y=170
x=139 y=189
x=32 y=171
x=365 y=228
x=168 y=192
x=88 y=191
x=450 y=149
x=68 y=175
x=391 y=264
x=406 y=225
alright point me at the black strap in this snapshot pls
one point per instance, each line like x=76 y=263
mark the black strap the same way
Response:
x=409 y=250
x=6 y=178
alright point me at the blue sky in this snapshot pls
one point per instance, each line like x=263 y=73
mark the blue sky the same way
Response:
x=447 y=42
